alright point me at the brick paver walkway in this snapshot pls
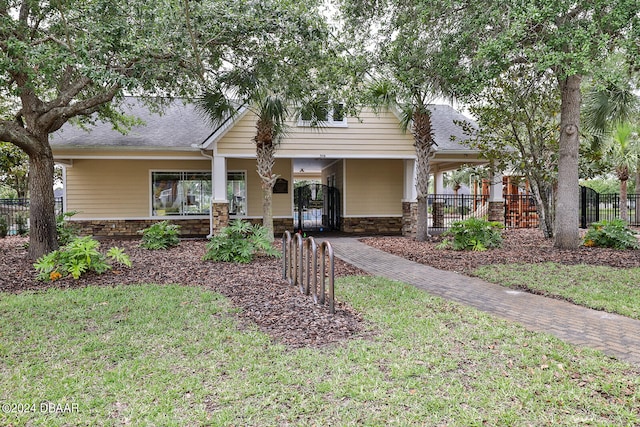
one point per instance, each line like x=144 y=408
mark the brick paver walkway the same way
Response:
x=617 y=336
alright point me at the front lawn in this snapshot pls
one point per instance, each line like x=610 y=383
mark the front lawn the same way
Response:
x=175 y=355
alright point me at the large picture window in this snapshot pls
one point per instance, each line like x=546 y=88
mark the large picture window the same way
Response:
x=237 y=192
x=181 y=193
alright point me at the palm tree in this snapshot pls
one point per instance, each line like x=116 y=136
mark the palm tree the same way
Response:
x=623 y=151
x=271 y=111
x=609 y=112
x=415 y=117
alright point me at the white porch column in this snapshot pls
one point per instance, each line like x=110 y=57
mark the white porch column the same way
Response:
x=219 y=178
x=410 y=178
x=495 y=187
x=219 y=209
x=438 y=182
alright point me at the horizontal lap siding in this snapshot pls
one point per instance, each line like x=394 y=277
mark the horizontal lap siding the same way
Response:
x=374 y=187
x=370 y=135
x=117 y=188
x=282 y=204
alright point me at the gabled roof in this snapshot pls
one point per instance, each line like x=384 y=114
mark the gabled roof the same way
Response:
x=179 y=126
x=443 y=122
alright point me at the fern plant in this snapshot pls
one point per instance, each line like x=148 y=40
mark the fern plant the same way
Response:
x=610 y=234
x=79 y=256
x=473 y=234
x=240 y=242
x=161 y=235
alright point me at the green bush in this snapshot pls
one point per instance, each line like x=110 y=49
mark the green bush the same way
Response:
x=240 y=242
x=161 y=235
x=4 y=226
x=473 y=234
x=78 y=257
x=610 y=234
x=65 y=230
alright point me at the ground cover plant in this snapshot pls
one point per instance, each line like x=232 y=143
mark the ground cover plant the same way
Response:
x=161 y=235
x=240 y=242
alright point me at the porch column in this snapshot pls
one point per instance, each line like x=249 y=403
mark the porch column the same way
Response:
x=219 y=212
x=438 y=182
x=496 y=197
x=409 y=199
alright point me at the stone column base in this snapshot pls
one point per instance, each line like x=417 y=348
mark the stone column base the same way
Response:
x=409 y=218
x=496 y=211
x=220 y=213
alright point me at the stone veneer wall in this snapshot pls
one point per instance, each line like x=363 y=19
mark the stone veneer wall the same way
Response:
x=220 y=215
x=280 y=225
x=382 y=225
x=129 y=228
x=409 y=218
x=496 y=211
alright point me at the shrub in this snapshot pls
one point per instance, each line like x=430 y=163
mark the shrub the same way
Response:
x=473 y=234
x=610 y=234
x=78 y=257
x=65 y=230
x=161 y=235
x=240 y=242
x=4 y=226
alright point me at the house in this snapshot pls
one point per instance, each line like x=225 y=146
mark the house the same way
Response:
x=175 y=166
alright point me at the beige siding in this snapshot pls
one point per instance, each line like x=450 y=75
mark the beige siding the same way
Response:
x=371 y=135
x=117 y=188
x=373 y=187
x=282 y=203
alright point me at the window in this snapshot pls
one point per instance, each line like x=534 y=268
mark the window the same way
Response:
x=181 y=193
x=237 y=192
x=323 y=113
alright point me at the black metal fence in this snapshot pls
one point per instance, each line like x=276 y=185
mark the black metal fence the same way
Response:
x=16 y=214
x=596 y=207
x=445 y=209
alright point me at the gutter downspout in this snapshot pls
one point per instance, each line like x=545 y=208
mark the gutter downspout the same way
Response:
x=208 y=156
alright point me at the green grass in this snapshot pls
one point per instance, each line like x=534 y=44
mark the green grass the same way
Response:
x=176 y=356
x=615 y=290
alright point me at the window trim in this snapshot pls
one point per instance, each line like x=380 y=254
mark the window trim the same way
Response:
x=326 y=123
x=181 y=216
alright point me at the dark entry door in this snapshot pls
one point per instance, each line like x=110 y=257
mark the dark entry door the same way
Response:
x=317 y=208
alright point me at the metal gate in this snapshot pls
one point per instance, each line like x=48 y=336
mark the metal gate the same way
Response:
x=589 y=206
x=317 y=208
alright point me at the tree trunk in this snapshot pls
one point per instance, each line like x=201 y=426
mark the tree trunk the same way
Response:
x=566 y=234
x=42 y=232
x=423 y=137
x=541 y=192
x=265 y=160
x=267 y=209
x=624 y=213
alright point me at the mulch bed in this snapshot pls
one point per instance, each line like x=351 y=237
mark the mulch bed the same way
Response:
x=265 y=299
x=268 y=301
